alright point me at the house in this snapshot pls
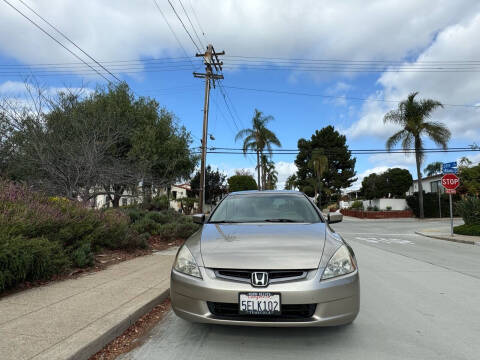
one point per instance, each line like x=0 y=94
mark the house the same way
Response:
x=177 y=191
x=430 y=184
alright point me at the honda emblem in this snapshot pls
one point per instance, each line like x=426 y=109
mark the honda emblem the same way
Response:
x=259 y=278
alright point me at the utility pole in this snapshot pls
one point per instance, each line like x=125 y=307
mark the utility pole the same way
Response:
x=211 y=59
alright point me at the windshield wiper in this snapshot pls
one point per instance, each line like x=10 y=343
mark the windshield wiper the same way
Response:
x=280 y=220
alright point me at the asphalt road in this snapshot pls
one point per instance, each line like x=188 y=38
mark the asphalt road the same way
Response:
x=420 y=299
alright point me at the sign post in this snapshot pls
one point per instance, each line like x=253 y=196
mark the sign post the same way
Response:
x=450 y=182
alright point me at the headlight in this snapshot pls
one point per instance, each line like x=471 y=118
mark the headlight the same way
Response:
x=340 y=263
x=185 y=263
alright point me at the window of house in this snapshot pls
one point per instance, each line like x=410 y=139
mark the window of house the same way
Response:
x=174 y=194
x=436 y=186
x=124 y=202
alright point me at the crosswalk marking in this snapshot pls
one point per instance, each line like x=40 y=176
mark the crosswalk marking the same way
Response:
x=376 y=240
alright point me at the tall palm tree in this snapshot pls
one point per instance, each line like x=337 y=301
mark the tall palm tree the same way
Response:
x=412 y=116
x=319 y=164
x=258 y=138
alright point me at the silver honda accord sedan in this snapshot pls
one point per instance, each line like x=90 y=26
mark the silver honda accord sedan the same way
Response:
x=266 y=258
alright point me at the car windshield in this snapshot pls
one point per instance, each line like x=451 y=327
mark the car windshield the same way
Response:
x=265 y=208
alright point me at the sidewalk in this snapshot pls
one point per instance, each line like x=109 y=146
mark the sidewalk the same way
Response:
x=75 y=318
x=443 y=234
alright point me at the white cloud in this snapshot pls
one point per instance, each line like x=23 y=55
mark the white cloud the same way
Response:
x=12 y=87
x=131 y=30
x=390 y=159
x=285 y=169
x=453 y=43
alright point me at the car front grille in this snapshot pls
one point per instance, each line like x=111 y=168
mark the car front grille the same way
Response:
x=275 y=276
x=290 y=312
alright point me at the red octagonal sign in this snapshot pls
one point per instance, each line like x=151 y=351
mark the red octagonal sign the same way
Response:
x=450 y=181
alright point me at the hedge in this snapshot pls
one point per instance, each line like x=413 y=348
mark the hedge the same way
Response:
x=23 y=259
x=42 y=236
x=430 y=204
x=472 y=230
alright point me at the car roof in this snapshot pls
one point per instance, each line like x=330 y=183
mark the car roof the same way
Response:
x=262 y=192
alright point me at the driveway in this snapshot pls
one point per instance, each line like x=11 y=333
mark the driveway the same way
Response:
x=419 y=301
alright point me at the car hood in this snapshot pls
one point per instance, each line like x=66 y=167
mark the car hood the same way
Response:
x=262 y=246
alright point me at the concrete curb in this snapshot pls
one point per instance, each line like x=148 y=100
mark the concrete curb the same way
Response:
x=116 y=330
x=88 y=341
x=448 y=238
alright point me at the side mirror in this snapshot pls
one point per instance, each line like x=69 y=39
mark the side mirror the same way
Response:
x=333 y=218
x=199 y=218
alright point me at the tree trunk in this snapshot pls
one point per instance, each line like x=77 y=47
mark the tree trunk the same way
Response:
x=117 y=195
x=258 y=171
x=420 y=186
x=264 y=175
x=116 y=201
x=147 y=192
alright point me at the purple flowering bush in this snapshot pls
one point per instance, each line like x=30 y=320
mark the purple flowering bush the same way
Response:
x=41 y=236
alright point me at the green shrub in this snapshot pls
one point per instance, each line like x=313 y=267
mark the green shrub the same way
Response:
x=472 y=230
x=375 y=208
x=158 y=203
x=168 y=231
x=23 y=259
x=184 y=231
x=82 y=255
x=469 y=210
x=187 y=204
x=146 y=225
x=357 y=204
x=113 y=232
x=135 y=214
x=388 y=208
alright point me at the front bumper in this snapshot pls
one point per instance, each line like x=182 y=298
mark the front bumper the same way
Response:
x=337 y=300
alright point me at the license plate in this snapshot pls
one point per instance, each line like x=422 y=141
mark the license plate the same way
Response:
x=259 y=303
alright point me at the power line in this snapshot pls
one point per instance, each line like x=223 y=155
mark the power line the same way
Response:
x=119 y=62
x=196 y=19
x=283 y=92
x=188 y=33
x=274 y=152
x=71 y=41
x=471 y=147
x=173 y=32
x=191 y=24
x=54 y=39
x=264 y=58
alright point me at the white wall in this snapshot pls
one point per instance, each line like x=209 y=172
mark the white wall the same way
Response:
x=395 y=204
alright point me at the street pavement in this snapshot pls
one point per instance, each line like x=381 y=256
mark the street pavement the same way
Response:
x=419 y=300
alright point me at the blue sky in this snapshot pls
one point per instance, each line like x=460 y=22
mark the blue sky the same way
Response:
x=350 y=30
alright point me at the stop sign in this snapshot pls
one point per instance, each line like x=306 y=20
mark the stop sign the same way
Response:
x=450 y=181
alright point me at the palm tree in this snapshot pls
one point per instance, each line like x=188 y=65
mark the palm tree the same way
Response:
x=291 y=182
x=258 y=138
x=412 y=116
x=319 y=164
x=433 y=168
x=269 y=172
